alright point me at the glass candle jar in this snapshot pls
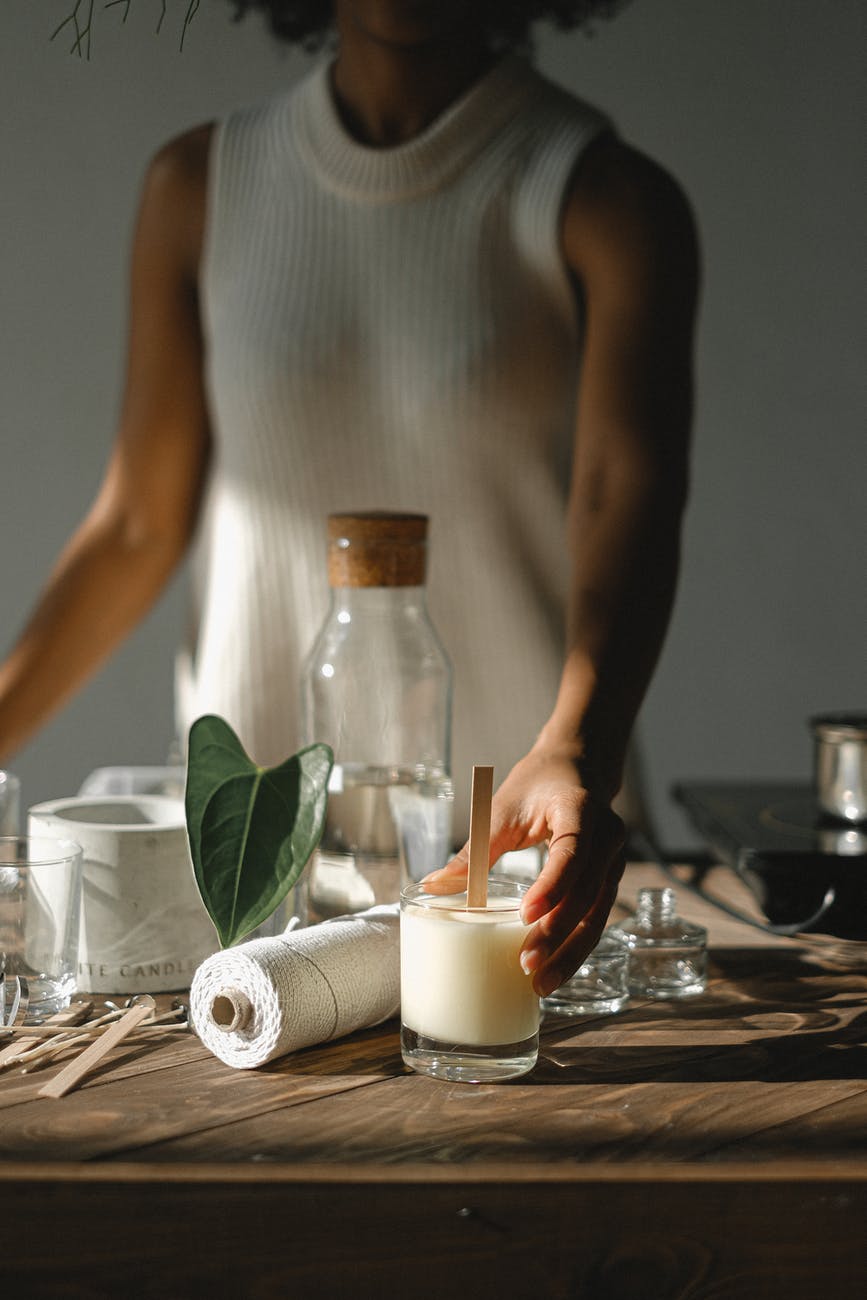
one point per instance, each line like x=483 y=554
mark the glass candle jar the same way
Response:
x=468 y=1011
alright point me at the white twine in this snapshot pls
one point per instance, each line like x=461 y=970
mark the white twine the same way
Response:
x=263 y=999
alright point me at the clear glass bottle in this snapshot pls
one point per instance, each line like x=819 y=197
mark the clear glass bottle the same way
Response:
x=377 y=688
x=667 y=955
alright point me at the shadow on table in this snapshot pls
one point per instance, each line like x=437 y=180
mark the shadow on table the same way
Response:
x=805 y=968
x=796 y=1020
x=374 y=1052
x=762 y=1061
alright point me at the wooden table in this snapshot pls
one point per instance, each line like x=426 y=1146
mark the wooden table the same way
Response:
x=714 y=1148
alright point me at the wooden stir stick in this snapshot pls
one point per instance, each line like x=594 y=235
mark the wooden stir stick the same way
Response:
x=480 y=836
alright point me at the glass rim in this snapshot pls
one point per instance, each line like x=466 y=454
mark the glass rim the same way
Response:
x=504 y=887
x=52 y=851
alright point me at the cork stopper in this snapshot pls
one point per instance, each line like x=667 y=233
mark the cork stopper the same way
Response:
x=377 y=548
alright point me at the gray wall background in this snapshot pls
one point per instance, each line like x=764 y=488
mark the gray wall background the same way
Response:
x=758 y=106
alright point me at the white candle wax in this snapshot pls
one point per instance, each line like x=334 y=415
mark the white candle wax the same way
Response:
x=461 y=976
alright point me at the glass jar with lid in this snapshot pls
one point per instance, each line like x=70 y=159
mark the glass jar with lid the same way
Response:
x=377 y=687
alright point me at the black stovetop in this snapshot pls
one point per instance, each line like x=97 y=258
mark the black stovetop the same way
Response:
x=783 y=847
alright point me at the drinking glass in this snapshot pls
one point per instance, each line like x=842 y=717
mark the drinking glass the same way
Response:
x=422 y=814
x=40 y=900
x=10 y=803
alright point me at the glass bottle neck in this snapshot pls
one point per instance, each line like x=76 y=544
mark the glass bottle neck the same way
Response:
x=655 y=907
x=377 y=599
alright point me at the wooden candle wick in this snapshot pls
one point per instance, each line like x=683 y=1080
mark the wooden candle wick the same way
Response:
x=72 y=1075
x=480 y=836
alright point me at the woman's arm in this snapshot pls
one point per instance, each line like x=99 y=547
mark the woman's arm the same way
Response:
x=630 y=242
x=121 y=556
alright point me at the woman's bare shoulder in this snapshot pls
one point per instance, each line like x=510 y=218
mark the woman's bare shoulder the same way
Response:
x=181 y=164
x=175 y=190
x=620 y=197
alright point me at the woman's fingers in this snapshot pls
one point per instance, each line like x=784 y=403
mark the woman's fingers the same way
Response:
x=581 y=893
x=559 y=965
x=585 y=836
x=569 y=864
x=450 y=879
x=453 y=876
x=568 y=904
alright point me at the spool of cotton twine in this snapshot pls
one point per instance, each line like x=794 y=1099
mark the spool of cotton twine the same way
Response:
x=262 y=999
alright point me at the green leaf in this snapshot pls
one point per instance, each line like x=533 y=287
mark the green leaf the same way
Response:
x=251 y=829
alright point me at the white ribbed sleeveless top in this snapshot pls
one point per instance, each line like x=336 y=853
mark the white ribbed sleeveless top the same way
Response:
x=389 y=329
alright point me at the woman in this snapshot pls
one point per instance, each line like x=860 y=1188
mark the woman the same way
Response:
x=424 y=279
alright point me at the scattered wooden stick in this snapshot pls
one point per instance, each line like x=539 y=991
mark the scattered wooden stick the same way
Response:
x=42 y=1053
x=480 y=836
x=52 y=1027
x=71 y=1076
x=49 y=1036
x=45 y=1052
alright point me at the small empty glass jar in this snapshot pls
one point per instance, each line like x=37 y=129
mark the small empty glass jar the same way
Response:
x=667 y=955
x=598 y=987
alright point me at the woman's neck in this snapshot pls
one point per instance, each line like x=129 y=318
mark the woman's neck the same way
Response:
x=389 y=85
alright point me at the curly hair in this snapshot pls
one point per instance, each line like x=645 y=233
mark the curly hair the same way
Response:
x=507 y=22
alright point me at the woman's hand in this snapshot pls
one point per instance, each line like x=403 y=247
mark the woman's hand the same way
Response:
x=543 y=799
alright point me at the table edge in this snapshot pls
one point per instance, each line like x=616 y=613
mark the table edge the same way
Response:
x=776 y=1171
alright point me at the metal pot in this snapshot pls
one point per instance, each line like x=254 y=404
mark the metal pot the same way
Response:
x=840 y=765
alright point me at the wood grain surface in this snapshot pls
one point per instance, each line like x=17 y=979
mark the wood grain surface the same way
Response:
x=700 y=1150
